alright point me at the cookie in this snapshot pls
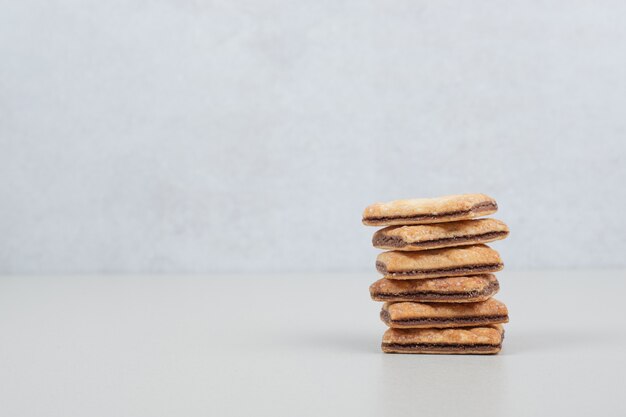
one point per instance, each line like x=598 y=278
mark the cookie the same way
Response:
x=459 y=261
x=429 y=210
x=449 y=290
x=472 y=340
x=409 y=315
x=440 y=235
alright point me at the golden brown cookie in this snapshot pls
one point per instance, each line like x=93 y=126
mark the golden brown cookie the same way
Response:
x=459 y=261
x=440 y=235
x=409 y=315
x=436 y=290
x=472 y=340
x=429 y=210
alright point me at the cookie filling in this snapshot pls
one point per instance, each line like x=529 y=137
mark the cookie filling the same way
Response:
x=472 y=269
x=486 y=206
x=432 y=295
x=397 y=242
x=441 y=346
x=386 y=317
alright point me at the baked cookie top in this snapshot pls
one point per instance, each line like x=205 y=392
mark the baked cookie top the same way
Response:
x=429 y=210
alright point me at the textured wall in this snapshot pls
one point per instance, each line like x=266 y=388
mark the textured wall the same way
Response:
x=227 y=136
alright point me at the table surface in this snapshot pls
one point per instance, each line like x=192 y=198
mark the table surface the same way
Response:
x=297 y=345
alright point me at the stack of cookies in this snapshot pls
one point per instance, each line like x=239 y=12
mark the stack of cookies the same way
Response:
x=438 y=274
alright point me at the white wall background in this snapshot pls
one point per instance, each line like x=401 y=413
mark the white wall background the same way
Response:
x=182 y=135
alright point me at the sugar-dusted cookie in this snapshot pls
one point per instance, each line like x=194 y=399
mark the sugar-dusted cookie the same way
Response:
x=471 y=340
x=449 y=290
x=409 y=315
x=440 y=235
x=459 y=261
x=429 y=210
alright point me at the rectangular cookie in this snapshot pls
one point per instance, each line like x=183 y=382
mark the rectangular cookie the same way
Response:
x=472 y=340
x=436 y=290
x=440 y=235
x=409 y=315
x=459 y=261
x=429 y=210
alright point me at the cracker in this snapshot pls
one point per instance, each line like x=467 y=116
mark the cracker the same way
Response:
x=458 y=261
x=449 y=290
x=473 y=340
x=429 y=210
x=410 y=315
x=440 y=235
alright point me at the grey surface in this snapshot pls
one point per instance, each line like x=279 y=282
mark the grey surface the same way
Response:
x=177 y=135
x=305 y=345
